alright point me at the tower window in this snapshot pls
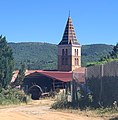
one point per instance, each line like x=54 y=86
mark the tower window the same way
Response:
x=66 y=52
x=77 y=52
x=62 y=52
x=75 y=61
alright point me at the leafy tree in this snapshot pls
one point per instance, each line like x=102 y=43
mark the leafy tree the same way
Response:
x=6 y=62
x=114 y=53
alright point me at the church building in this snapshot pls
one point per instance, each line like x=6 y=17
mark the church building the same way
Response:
x=69 y=63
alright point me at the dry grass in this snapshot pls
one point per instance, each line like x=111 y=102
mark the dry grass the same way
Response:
x=40 y=109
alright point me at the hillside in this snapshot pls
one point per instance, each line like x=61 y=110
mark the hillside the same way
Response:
x=35 y=55
x=38 y=55
x=93 y=52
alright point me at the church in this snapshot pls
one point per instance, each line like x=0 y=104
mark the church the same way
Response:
x=69 y=50
x=69 y=63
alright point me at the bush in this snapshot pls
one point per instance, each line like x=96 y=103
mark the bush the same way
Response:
x=62 y=103
x=13 y=96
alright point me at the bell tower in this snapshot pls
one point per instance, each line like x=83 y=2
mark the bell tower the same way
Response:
x=69 y=50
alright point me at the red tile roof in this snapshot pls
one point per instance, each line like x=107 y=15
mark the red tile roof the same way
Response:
x=60 y=75
x=57 y=75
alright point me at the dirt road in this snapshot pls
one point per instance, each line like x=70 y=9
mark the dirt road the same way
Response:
x=39 y=110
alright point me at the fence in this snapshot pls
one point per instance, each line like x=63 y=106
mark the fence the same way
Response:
x=103 y=83
x=106 y=70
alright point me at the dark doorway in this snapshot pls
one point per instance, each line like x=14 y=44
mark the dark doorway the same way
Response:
x=35 y=91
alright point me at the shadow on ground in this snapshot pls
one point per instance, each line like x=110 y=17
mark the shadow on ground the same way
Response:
x=115 y=118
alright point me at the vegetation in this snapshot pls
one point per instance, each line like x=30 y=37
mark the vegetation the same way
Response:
x=35 y=55
x=12 y=96
x=78 y=100
x=111 y=56
x=62 y=102
x=8 y=95
x=93 y=53
x=44 y=55
x=6 y=63
x=104 y=89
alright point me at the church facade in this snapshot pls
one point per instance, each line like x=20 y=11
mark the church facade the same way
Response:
x=69 y=50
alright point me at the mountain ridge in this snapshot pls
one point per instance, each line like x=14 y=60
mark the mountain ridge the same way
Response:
x=42 y=55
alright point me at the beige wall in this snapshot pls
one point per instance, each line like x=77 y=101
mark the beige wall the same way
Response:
x=60 y=47
x=71 y=57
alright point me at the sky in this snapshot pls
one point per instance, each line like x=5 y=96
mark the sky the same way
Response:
x=95 y=21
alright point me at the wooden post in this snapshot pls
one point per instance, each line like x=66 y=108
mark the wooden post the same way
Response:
x=71 y=87
x=101 y=83
x=53 y=85
x=86 y=75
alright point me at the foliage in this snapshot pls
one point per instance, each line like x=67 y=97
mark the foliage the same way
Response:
x=92 y=53
x=6 y=63
x=12 y=96
x=36 y=55
x=111 y=56
x=114 y=53
x=82 y=101
x=109 y=110
x=62 y=102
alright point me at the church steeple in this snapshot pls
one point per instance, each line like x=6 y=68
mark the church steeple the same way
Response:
x=69 y=36
x=69 y=50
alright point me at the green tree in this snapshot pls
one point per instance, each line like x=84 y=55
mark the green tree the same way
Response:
x=6 y=62
x=114 y=53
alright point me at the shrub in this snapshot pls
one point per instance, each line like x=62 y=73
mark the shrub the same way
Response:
x=13 y=96
x=62 y=103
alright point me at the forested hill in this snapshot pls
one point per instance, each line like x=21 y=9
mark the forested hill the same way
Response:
x=94 y=52
x=36 y=55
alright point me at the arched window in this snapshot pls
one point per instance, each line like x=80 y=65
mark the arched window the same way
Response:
x=66 y=52
x=62 y=52
x=75 y=61
x=77 y=52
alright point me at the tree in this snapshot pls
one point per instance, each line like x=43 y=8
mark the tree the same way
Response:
x=6 y=63
x=114 y=53
x=111 y=56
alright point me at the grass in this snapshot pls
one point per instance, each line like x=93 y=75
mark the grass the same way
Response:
x=13 y=96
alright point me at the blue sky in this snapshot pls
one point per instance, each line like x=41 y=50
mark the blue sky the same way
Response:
x=95 y=21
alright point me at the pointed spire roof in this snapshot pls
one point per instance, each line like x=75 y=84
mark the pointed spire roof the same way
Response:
x=69 y=36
